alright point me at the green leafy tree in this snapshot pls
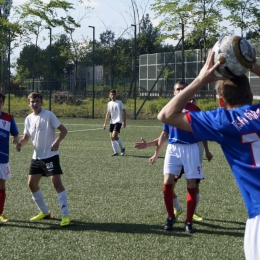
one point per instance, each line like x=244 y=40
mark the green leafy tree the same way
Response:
x=26 y=61
x=243 y=14
x=114 y=55
x=7 y=34
x=36 y=16
x=200 y=18
x=148 y=36
x=5 y=7
x=75 y=49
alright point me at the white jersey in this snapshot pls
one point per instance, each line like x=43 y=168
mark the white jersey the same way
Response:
x=115 y=108
x=41 y=129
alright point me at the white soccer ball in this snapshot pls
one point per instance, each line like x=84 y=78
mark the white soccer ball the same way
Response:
x=235 y=54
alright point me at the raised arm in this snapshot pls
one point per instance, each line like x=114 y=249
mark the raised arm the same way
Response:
x=171 y=113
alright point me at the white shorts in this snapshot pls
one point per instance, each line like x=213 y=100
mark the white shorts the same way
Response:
x=201 y=150
x=252 y=239
x=188 y=156
x=5 y=171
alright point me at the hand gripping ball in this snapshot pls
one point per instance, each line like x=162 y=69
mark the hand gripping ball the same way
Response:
x=235 y=54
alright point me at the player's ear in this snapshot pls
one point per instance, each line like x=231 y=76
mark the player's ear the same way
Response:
x=221 y=101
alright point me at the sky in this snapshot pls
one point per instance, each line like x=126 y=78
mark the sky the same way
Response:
x=114 y=15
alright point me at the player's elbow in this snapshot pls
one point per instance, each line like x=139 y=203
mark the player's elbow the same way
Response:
x=161 y=116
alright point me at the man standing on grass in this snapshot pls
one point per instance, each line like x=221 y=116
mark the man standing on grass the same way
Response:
x=115 y=110
x=40 y=126
x=7 y=127
x=236 y=127
x=182 y=154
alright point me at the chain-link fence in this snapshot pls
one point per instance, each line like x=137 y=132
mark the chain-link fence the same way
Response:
x=151 y=65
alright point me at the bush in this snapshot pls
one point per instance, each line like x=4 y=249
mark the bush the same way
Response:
x=207 y=104
x=67 y=106
x=152 y=107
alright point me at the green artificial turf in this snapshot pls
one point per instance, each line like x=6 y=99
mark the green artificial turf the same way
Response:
x=116 y=203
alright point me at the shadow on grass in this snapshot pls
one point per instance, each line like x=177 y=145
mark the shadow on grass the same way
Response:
x=209 y=228
x=223 y=221
x=142 y=156
x=76 y=225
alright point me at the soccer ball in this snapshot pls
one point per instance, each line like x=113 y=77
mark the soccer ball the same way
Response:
x=235 y=54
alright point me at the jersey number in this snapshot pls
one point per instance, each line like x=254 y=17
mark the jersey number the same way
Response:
x=254 y=140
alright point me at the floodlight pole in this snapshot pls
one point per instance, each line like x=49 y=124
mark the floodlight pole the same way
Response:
x=201 y=45
x=135 y=64
x=9 y=69
x=182 y=37
x=50 y=88
x=93 y=64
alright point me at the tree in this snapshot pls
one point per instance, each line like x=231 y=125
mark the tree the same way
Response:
x=114 y=55
x=5 y=7
x=148 y=36
x=26 y=61
x=35 y=16
x=136 y=10
x=243 y=14
x=200 y=18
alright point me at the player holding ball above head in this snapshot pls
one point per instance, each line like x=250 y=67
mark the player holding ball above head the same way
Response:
x=7 y=127
x=236 y=127
x=117 y=114
x=40 y=126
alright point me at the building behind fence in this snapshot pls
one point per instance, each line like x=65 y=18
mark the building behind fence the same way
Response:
x=150 y=67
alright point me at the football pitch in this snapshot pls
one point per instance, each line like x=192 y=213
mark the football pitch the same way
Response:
x=116 y=203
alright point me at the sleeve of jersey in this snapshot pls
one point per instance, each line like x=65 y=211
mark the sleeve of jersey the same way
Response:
x=55 y=122
x=204 y=125
x=122 y=105
x=14 y=129
x=26 y=126
x=165 y=127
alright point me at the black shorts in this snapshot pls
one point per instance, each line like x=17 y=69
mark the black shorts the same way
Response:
x=182 y=172
x=47 y=167
x=115 y=127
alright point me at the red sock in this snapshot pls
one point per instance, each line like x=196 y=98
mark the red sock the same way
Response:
x=191 y=203
x=2 y=200
x=168 y=199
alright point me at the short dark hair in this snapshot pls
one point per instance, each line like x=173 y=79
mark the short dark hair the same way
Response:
x=235 y=91
x=112 y=91
x=2 y=96
x=179 y=82
x=34 y=95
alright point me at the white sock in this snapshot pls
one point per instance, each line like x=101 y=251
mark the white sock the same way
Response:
x=120 y=143
x=63 y=200
x=114 y=146
x=177 y=204
x=197 y=202
x=39 y=201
